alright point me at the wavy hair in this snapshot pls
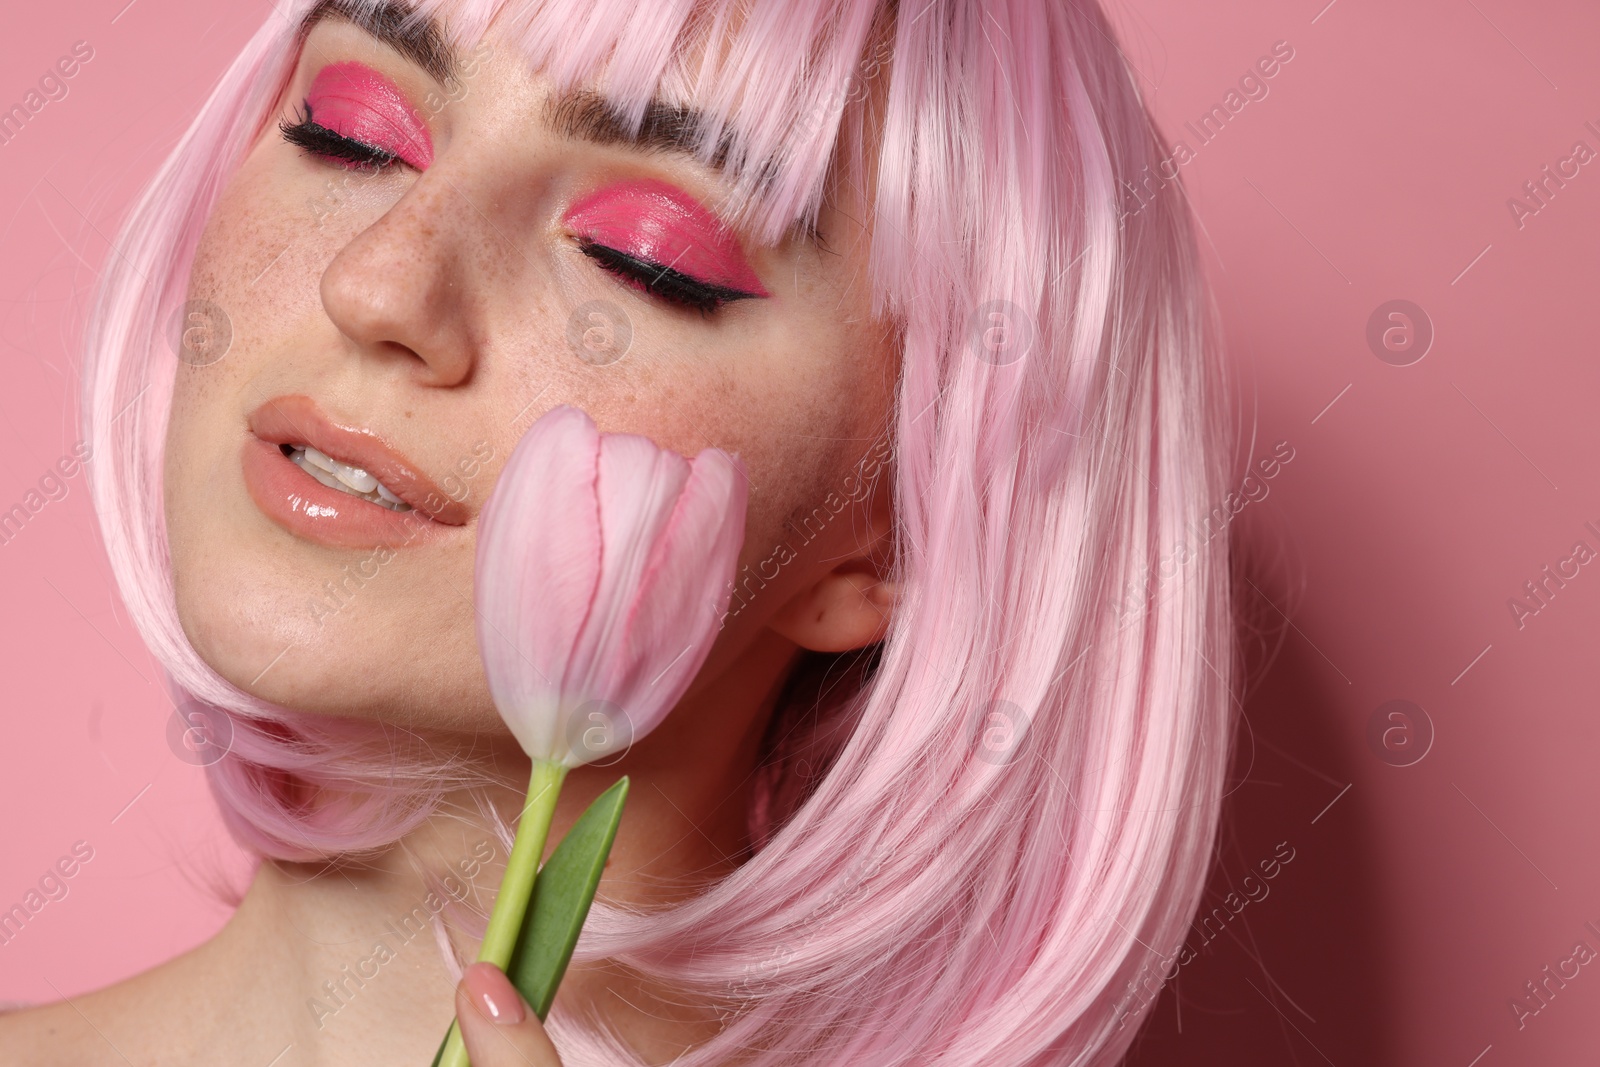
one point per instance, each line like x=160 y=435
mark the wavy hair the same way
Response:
x=976 y=840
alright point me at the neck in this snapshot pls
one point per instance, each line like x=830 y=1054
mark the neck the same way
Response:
x=341 y=960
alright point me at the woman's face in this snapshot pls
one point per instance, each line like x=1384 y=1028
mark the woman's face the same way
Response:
x=414 y=319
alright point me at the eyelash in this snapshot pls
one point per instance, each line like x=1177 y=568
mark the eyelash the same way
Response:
x=671 y=286
x=323 y=142
x=668 y=285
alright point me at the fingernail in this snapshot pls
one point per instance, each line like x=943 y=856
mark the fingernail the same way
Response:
x=494 y=994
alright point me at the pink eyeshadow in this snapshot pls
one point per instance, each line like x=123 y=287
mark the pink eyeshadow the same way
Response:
x=654 y=221
x=357 y=102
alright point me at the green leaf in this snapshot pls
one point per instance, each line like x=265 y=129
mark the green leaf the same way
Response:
x=561 y=897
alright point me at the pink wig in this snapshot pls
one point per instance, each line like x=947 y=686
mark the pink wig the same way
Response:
x=914 y=898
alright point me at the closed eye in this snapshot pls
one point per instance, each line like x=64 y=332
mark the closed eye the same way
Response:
x=660 y=281
x=320 y=141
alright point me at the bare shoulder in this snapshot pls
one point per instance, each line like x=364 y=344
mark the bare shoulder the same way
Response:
x=47 y=1035
x=136 y=1022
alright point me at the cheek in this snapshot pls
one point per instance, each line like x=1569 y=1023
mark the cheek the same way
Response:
x=825 y=415
x=801 y=427
x=254 y=281
x=203 y=425
x=795 y=471
x=245 y=591
x=268 y=241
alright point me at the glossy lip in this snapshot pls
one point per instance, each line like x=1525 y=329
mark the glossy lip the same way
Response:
x=307 y=508
x=357 y=102
x=654 y=221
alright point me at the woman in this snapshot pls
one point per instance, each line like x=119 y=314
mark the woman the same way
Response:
x=945 y=789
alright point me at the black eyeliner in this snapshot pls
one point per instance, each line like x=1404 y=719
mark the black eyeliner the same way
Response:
x=669 y=284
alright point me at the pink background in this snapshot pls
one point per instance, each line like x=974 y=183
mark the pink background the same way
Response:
x=1420 y=498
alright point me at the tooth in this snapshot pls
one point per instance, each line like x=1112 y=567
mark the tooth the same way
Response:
x=345 y=478
x=318 y=459
x=323 y=476
x=356 y=478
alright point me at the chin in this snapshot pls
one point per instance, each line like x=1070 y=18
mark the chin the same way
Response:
x=370 y=655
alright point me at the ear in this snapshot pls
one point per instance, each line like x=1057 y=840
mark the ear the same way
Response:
x=849 y=606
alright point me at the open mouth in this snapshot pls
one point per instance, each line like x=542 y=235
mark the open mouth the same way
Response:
x=350 y=467
x=342 y=476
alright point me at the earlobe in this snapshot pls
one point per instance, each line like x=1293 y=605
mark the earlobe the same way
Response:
x=848 y=608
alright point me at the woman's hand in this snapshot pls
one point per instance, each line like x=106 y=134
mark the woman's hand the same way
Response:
x=497 y=1025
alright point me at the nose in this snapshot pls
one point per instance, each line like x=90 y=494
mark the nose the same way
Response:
x=403 y=288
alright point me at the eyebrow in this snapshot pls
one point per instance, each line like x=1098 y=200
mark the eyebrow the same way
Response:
x=581 y=114
x=396 y=25
x=578 y=114
x=585 y=115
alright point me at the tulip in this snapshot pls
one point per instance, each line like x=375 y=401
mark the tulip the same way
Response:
x=604 y=569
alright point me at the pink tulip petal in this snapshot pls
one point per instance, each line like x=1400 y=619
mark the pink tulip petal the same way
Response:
x=676 y=614
x=603 y=572
x=530 y=617
x=637 y=485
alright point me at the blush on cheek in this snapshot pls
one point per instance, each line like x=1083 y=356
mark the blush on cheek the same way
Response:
x=357 y=102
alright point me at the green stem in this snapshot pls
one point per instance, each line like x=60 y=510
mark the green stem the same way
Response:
x=511 y=903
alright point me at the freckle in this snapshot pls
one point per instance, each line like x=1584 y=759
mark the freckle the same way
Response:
x=408 y=414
